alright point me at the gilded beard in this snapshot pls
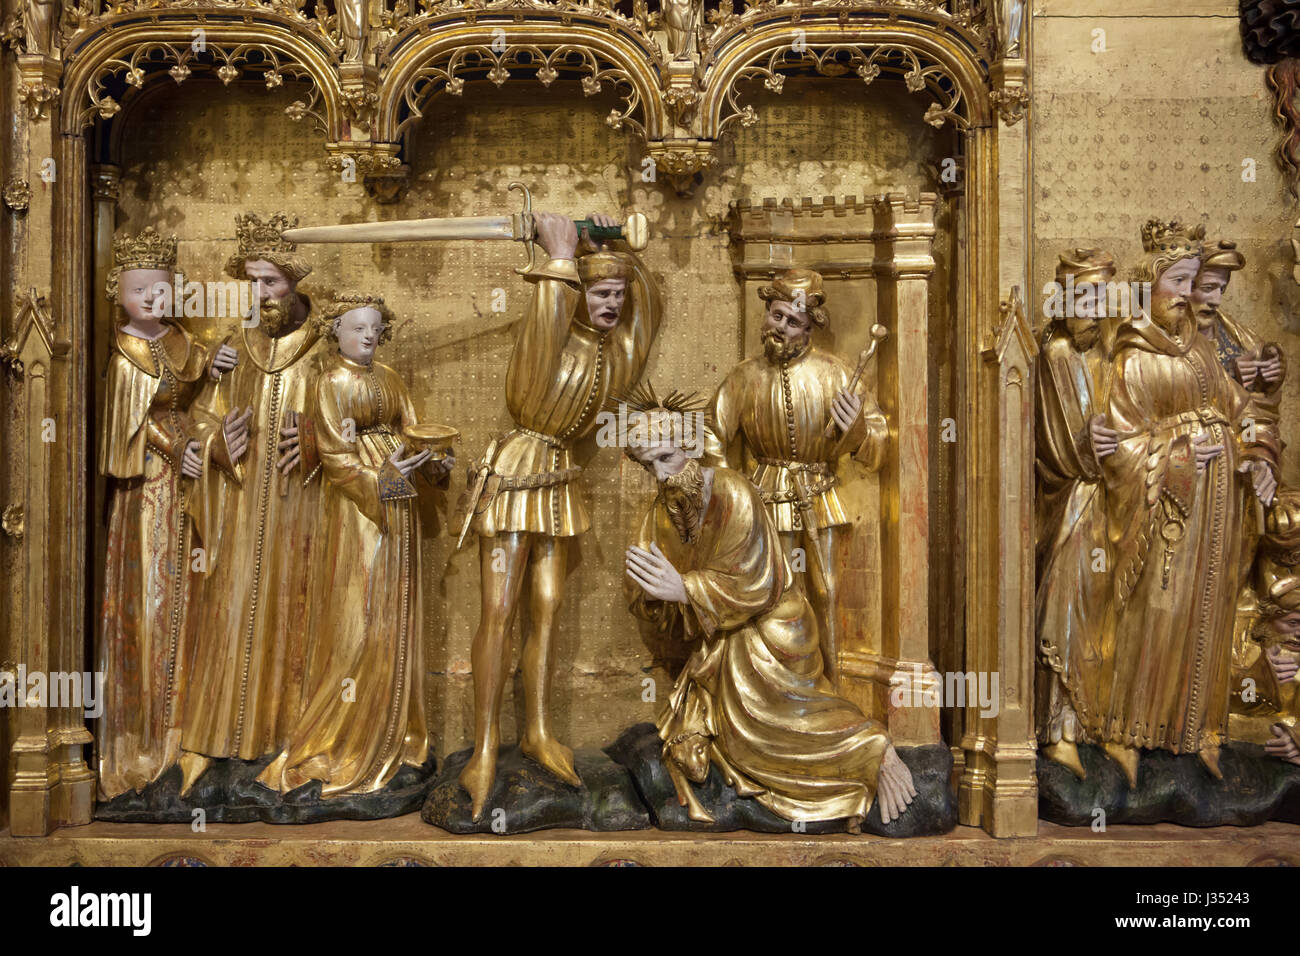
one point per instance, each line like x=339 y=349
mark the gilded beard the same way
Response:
x=276 y=315
x=683 y=496
x=1170 y=313
x=778 y=350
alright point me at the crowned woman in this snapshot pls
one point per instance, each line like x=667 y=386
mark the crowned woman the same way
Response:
x=363 y=704
x=157 y=460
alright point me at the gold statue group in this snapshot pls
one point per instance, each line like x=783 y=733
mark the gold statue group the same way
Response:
x=263 y=593
x=1168 y=595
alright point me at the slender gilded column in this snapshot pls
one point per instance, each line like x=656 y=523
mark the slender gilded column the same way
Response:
x=904 y=262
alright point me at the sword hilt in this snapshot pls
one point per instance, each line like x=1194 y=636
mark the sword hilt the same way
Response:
x=635 y=232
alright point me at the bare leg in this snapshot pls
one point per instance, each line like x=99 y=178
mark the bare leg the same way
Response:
x=823 y=585
x=490 y=657
x=548 y=561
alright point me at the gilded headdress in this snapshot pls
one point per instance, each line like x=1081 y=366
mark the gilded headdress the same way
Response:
x=1164 y=243
x=799 y=287
x=148 y=250
x=1222 y=254
x=596 y=266
x=265 y=240
x=1086 y=265
x=1173 y=238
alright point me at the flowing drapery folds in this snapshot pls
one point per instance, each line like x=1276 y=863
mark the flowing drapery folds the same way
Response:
x=1162 y=664
x=146 y=620
x=250 y=637
x=754 y=686
x=363 y=691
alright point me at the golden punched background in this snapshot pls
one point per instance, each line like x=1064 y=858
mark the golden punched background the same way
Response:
x=1158 y=125
x=195 y=156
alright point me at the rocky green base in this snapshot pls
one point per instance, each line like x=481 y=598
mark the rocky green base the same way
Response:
x=1172 y=788
x=526 y=797
x=933 y=811
x=228 y=792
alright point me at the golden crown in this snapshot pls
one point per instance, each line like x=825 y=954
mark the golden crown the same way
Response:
x=257 y=238
x=149 y=250
x=1173 y=238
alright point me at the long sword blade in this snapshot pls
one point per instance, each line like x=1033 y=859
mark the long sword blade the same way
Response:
x=407 y=230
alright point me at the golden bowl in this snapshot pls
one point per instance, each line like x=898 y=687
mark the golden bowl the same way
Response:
x=436 y=438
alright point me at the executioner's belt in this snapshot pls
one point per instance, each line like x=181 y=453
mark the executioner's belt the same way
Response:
x=802 y=490
x=485 y=484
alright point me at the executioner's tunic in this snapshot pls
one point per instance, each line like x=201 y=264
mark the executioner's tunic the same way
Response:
x=561 y=373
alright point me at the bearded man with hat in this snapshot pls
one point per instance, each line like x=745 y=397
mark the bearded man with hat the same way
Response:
x=1176 y=487
x=1071 y=390
x=769 y=420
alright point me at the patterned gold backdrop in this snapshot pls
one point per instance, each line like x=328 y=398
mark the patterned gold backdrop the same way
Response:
x=195 y=156
x=1151 y=127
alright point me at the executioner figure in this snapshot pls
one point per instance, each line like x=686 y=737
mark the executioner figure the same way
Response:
x=1072 y=388
x=1176 y=488
x=753 y=698
x=249 y=650
x=785 y=418
x=593 y=317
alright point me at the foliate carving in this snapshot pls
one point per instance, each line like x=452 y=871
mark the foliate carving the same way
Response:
x=448 y=73
x=11 y=522
x=681 y=162
x=867 y=61
x=37 y=98
x=1011 y=103
x=363 y=158
x=17 y=195
x=228 y=62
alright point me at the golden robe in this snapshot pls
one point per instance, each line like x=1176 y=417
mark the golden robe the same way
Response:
x=249 y=646
x=145 y=625
x=1162 y=673
x=364 y=618
x=1231 y=340
x=750 y=405
x=561 y=373
x=754 y=685
x=1073 y=588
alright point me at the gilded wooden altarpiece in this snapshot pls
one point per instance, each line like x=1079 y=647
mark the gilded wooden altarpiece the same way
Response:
x=943 y=258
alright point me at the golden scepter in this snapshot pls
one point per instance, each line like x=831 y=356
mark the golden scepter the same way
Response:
x=878 y=333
